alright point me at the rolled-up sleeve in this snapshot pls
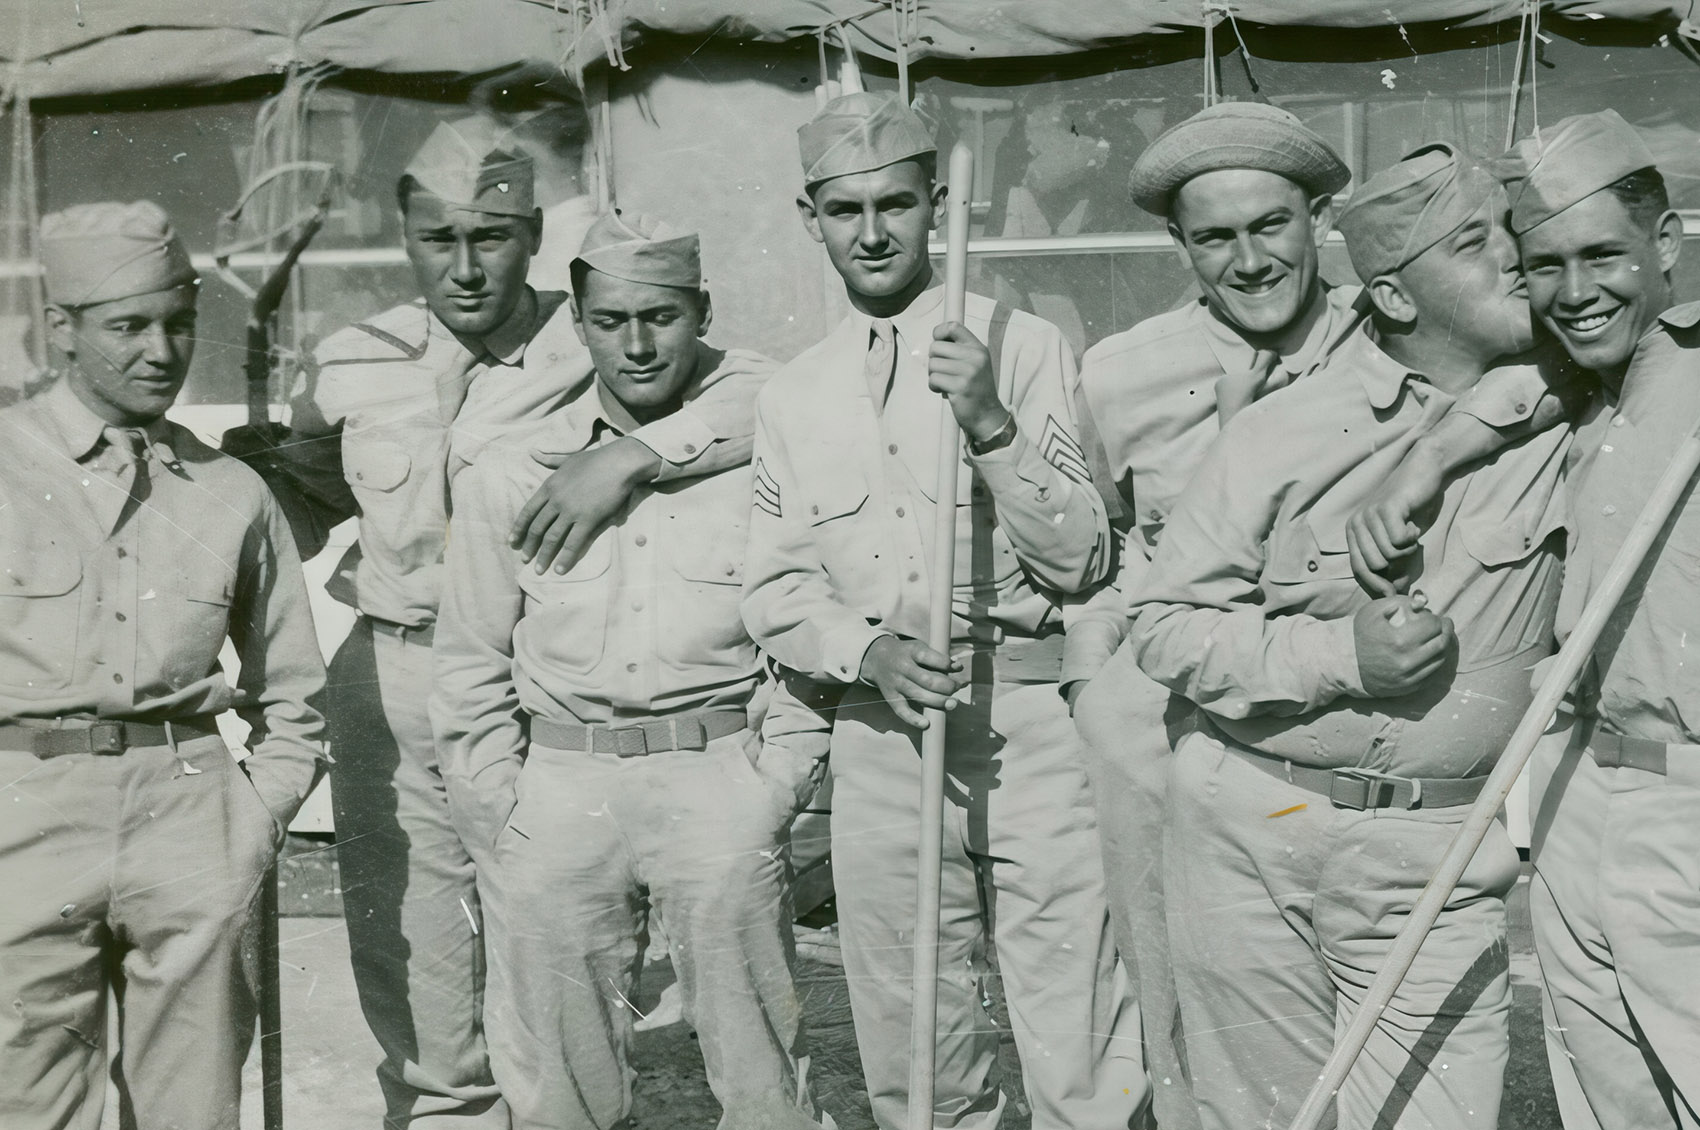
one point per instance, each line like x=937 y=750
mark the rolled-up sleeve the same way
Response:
x=1199 y=627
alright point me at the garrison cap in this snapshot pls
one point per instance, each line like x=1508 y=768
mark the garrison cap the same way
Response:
x=102 y=252
x=642 y=249
x=858 y=133
x=1551 y=169
x=472 y=164
x=1235 y=135
x=1405 y=209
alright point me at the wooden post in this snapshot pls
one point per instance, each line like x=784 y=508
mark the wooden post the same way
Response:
x=1566 y=667
x=923 y=1028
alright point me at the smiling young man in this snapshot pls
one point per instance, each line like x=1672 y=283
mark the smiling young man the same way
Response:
x=837 y=589
x=1343 y=738
x=1246 y=190
x=1614 y=839
x=132 y=846
x=599 y=742
x=391 y=408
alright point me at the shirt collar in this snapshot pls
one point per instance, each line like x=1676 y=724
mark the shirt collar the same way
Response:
x=1684 y=317
x=1338 y=317
x=506 y=343
x=1381 y=376
x=80 y=430
x=914 y=322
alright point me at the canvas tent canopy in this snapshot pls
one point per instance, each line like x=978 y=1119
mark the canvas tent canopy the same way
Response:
x=84 y=47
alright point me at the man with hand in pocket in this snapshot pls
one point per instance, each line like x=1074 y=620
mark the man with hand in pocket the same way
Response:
x=599 y=732
x=132 y=847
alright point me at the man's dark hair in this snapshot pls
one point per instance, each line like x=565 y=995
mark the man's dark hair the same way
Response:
x=403 y=189
x=1643 y=194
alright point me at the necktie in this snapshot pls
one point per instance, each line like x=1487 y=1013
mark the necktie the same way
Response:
x=1237 y=390
x=128 y=464
x=881 y=360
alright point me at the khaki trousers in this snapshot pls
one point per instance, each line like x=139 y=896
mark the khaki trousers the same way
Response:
x=593 y=841
x=1022 y=866
x=140 y=873
x=1129 y=727
x=1616 y=909
x=408 y=894
x=1281 y=909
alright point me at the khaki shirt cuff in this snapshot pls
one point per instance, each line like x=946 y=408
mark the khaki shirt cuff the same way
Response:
x=679 y=439
x=1086 y=648
x=842 y=650
x=1340 y=662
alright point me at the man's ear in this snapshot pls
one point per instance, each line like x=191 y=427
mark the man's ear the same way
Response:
x=940 y=196
x=1393 y=299
x=1179 y=241
x=810 y=217
x=62 y=329
x=1668 y=239
x=578 y=317
x=1321 y=218
x=534 y=225
x=706 y=318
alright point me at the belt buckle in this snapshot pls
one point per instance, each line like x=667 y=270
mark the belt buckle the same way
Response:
x=106 y=738
x=630 y=741
x=1363 y=789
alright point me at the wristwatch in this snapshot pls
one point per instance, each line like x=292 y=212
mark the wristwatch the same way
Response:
x=998 y=440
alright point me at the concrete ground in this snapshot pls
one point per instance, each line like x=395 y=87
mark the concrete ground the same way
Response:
x=330 y=1058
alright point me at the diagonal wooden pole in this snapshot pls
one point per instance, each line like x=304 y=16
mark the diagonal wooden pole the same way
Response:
x=1566 y=667
x=924 y=1020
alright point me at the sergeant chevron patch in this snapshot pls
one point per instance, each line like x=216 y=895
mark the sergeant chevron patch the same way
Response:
x=767 y=491
x=1062 y=451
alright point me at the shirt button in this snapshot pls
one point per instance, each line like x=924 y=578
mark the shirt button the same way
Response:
x=1617 y=422
x=637 y=606
x=731 y=570
x=1609 y=511
x=122 y=552
x=1606 y=447
x=641 y=540
x=1311 y=566
x=1044 y=494
x=914 y=576
x=900 y=511
x=690 y=449
x=1522 y=408
x=892 y=449
x=121 y=617
x=631 y=667
x=814 y=510
x=117 y=678
x=1527 y=542
x=1155 y=515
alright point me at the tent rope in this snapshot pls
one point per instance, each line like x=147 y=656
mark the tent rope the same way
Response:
x=1211 y=14
x=1528 y=31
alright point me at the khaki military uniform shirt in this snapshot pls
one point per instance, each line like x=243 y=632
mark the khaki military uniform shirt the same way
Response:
x=1247 y=607
x=846 y=469
x=1641 y=684
x=1152 y=392
x=397 y=405
x=114 y=603
x=645 y=624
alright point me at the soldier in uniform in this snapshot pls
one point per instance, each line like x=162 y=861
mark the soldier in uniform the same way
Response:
x=1344 y=738
x=837 y=590
x=392 y=407
x=133 y=846
x=1246 y=191
x=599 y=738
x=1614 y=838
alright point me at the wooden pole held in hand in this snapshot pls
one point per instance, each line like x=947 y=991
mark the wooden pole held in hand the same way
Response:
x=1567 y=665
x=923 y=1026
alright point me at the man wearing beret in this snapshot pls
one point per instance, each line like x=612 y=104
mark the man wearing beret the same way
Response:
x=1614 y=836
x=1343 y=738
x=390 y=409
x=1246 y=190
x=598 y=735
x=837 y=590
x=133 y=846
